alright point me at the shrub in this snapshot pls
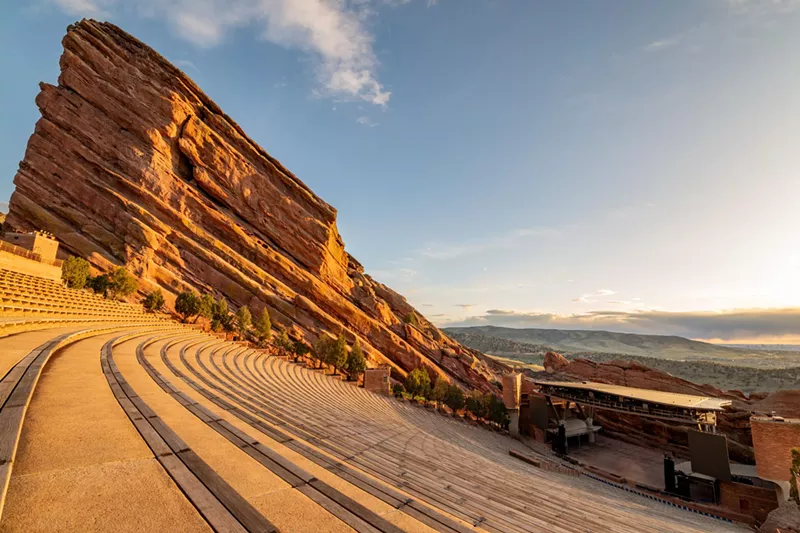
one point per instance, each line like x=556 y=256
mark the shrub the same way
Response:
x=337 y=354
x=495 y=409
x=263 y=327
x=356 y=362
x=476 y=405
x=418 y=382
x=300 y=349
x=455 y=398
x=187 y=304
x=154 y=301
x=411 y=318
x=122 y=283
x=244 y=320
x=100 y=284
x=440 y=390
x=398 y=389
x=75 y=271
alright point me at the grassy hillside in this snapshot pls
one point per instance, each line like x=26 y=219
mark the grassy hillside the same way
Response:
x=745 y=370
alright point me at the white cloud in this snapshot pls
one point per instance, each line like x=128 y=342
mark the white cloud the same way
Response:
x=661 y=44
x=728 y=325
x=3 y=207
x=592 y=296
x=334 y=33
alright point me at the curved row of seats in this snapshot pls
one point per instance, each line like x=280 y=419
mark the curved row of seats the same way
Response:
x=131 y=424
x=22 y=295
x=458 y=476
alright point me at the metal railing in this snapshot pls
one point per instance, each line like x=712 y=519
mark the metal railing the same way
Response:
x=24 y=252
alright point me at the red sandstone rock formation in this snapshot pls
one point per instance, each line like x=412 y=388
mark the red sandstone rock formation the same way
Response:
x=131 y=164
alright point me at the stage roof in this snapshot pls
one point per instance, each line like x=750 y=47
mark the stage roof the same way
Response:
x=686 y=401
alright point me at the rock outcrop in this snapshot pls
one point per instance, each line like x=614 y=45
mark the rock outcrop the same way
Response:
x=131 y=164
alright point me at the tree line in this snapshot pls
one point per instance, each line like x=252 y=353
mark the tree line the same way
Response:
x=417 y=386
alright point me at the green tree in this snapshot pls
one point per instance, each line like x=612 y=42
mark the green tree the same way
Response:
x=440 y=390
x=455 y=398
x=100 y=284
x=283 y=344
x=300 y=349
x=75 y=271
x=228 y=322
x=495 y=409
x=219 y=309
x=356 y=362
x=122 y=283
x=321 y=349
x=263 y=327
x=206 y=309
x=154 y=301
x=337 y=355
x=411 y=318
x=187 y=304
x=476 y=405
x=398 y=389
x=244 y=319
x=418 y=383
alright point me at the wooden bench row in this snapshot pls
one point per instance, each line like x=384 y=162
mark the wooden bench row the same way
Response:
x=281 y=433
x=221 y=506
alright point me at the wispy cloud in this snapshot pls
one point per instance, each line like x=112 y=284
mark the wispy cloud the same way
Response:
x=661 y=44
x=593 y=296
x=185 y=64
x=465 y=307
x=366 y=121
x=508 y=240
x=3 y=207
x=723 y=325
x=335 y=34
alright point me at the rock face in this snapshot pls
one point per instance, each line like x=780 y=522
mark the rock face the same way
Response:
x=131 y=164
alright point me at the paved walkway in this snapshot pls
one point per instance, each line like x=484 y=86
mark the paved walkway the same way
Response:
x=81 y=466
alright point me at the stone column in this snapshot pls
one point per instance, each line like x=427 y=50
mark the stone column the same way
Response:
x=513 y=425
x=589 y=424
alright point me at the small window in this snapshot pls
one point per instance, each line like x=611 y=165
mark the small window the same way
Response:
x=744 y=506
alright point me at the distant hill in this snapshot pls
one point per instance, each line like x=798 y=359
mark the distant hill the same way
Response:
x=494 y=339
x=747 y=370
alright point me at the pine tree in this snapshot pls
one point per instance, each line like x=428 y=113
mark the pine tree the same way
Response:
x=337 y=355
x=243 y=321
x=263 y=327
x=356 y=362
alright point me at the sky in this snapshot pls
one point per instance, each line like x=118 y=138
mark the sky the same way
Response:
x=631 y=165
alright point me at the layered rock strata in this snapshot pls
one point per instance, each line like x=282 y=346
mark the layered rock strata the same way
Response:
x=132 y=164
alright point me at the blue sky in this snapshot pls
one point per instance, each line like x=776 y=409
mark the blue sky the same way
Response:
x=628 y=164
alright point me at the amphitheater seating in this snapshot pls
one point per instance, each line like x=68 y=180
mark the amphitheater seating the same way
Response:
x=131 y=423
x=28 y=302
